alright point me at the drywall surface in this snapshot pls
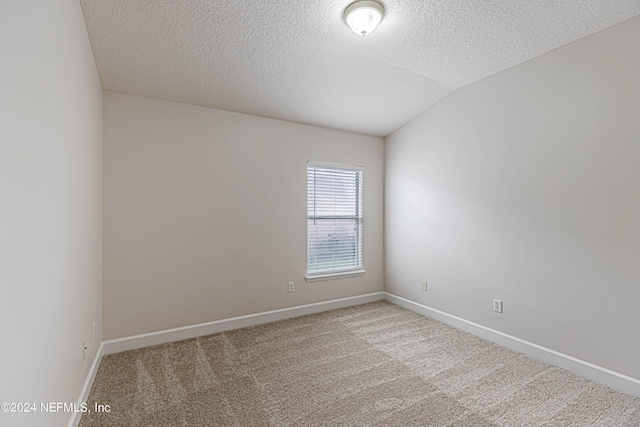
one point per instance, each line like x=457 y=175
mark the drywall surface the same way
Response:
x=205 y=213
x=50 y=207
x=524 y=187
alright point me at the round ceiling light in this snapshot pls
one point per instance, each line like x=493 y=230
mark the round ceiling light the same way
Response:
x=363 y=16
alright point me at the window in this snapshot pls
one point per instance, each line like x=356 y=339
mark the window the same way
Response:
x=334 y=220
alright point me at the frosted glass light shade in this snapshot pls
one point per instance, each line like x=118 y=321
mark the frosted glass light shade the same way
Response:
x=363 y=16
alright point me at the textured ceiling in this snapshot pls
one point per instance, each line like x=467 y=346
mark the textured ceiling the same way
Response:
x=298 y=61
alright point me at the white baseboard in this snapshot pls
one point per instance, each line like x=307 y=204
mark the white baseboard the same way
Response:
x=86 y=388
x=194 y=331
x=585 y=369
x=588 y=370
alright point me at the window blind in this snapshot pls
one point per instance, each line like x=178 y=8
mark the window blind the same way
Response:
x=334 y=218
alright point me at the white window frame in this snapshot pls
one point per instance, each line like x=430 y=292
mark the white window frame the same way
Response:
x=357 y=270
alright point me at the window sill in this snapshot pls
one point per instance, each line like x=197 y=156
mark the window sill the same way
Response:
x=332 y=276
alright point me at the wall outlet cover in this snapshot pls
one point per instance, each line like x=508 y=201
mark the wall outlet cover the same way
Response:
x=497 y=305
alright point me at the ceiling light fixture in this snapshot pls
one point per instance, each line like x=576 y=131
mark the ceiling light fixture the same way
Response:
x=363 y=16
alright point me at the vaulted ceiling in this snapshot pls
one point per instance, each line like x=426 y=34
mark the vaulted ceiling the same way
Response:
x=298 y=61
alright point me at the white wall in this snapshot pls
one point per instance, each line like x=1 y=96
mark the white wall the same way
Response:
x=50 y=206
x=524 y=187
x=205 y=213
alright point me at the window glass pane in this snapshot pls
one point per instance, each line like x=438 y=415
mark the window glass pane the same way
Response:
x=333 y=193
x=333 y=244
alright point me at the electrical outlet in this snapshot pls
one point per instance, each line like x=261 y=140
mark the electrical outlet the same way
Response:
x=497 y=305
x=424 y=285
x=290 y=288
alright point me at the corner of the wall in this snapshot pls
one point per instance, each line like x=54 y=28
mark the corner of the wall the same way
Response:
x=74 y=421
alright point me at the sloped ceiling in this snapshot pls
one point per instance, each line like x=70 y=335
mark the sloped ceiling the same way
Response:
x=298 y=61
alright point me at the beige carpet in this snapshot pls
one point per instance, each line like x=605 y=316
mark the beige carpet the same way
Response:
x=371 y=365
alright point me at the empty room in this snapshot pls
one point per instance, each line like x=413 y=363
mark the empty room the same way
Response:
x=320 y=213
